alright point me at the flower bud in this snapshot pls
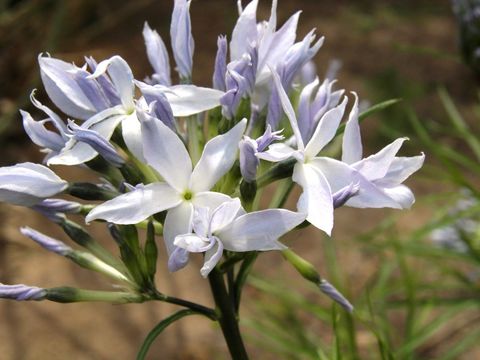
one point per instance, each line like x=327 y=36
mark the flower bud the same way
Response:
x=22 y=292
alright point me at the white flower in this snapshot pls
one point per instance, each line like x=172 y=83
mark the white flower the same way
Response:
x=228 y=227
x=316 y=200
x=183 y=188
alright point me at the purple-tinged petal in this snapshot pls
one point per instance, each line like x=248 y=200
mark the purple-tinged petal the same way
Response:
x=305 y=116
x=212 y=257
x=326 y=129
x=62 y=88
x=217 y=158
x=308 y=73
x=245 y=31
x=182 y=39
x=22 y=292
x=220 y=64
x=157 y=55
x=162 y=108
x=268 y=137
x=137 y=205
x=122 y=79
x=341 y=196
x=178 y=259
x=352 y=149
x=48 y=243
x=76 y=152
x=91 y=88
x=248 y=159
x=98 y=143
x=56 y=121
x=59 y=205
x=401 y=194
x=40 y=135
x=329 y=290
x=273 y=48
x=27 y=184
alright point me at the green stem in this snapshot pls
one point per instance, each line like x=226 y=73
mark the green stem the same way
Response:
x=210 y=313
x=228 y=319
x=242 y=276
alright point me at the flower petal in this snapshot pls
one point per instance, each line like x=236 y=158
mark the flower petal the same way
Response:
x=340 y=175
x=121 y=76
x=187 y=100
x=288 y=109
x=352 y=142
x=177 y=222
x=39 y=134
x=259 y=230
x=224 y=215
x=277 y=152
x=136 y=205
x=76 y=152
x=400 y=169
x=26 y=184
x=326 y=129
x=217 y=158
x=165 y=152
x=157 y=55
x=132 y=135
x=316 y=200
x=181 y=37
x=210 y=199
x=402 y=195
x=245 y=31
x=62 y=88
x=192 y=242
x=212 y=257
x=376 y=166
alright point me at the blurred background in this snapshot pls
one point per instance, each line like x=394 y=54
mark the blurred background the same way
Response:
x=413 y=276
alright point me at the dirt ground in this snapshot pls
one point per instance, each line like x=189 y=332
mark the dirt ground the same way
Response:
x=368 y=39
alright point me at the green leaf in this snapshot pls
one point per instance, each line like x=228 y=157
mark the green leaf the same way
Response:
x=157 y=330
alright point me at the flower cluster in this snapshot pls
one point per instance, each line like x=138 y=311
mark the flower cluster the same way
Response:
x=189 y=162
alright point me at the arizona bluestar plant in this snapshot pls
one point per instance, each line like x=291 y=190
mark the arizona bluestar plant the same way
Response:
x=189 y=164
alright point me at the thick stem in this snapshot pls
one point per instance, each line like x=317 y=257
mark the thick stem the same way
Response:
x=227 y=316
